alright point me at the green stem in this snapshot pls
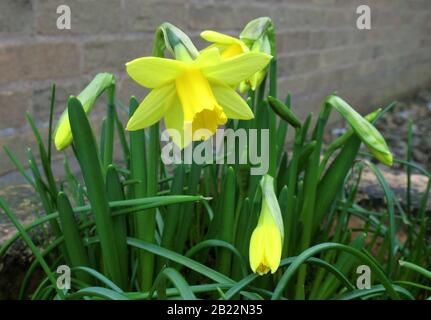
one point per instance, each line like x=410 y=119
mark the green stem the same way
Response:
x=289 y=221
x=138 y=172
x=108 y=148
x=272 y=117
x=149 y=220
x=310 y=186
x=228 y=219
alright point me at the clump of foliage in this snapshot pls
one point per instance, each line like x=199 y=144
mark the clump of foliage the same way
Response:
x=135 y=228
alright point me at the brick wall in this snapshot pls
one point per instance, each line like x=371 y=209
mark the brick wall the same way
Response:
x=320 y=49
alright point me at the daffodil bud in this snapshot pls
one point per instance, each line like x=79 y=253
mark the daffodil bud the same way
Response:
x=267 y=238
x=255 y=38
x=63 y=133
x=369 y=135
x=260 y=45
x=175 y=41
x=256 y=29
x=256 y=35
x=284 y=112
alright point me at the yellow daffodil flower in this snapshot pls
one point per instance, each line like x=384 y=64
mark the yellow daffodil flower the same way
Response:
x=267 y=238
x=231 y=46
x=193 y=95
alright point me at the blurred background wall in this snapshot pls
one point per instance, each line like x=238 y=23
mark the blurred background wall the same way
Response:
x=320 y=50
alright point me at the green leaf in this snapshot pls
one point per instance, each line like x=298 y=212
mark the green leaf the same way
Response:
x=227 y=221
x=178 y=281
x=287 y=275
x=86 y=151
x=98 y=292
x=75 y=248
x=415 y=267
x=32 y=246
x=115 y=192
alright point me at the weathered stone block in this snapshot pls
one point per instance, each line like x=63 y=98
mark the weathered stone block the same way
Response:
x=100 y=55
x=16 y=17
x=38 y=61
x=13 y=105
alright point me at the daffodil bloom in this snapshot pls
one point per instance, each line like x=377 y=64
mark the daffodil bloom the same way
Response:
x=267 y=238
x=193 y=95
x=231 y=46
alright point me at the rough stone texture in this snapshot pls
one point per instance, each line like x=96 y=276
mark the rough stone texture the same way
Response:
x=16 y=17
x=25 y=204
x=14 y=104
x=38 y=61
x=102 y=55
x=41 y=98
x=370 y=190
x=320 y=50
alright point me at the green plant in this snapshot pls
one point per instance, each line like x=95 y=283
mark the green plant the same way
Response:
x=132 y=224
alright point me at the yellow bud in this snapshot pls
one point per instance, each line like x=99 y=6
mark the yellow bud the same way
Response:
x=63 y=133
x=267 y=238
x=101 y=82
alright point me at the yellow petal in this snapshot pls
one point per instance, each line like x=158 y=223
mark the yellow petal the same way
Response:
x=174 y=122
x=232 y=103
x=207 y=57
x=217 y=37
x=228 y=45
x=152 y=72
x=233 y=70
x=256 y=249
x=231 y=51
x=63 y=134
x=152 y=108
x=273 y=247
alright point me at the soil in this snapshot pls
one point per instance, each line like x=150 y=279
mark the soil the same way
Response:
x=23 y=201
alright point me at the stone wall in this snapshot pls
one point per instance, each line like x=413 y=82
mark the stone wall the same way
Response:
x=320 y=50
